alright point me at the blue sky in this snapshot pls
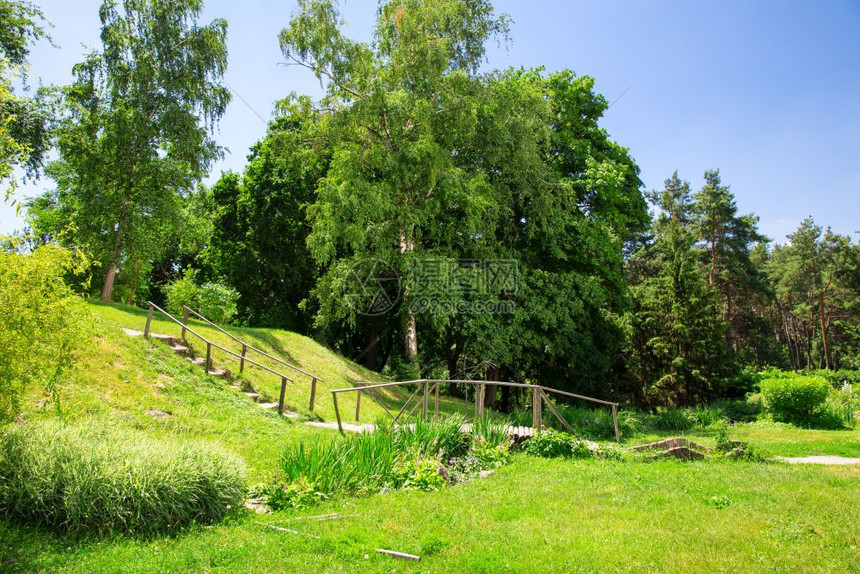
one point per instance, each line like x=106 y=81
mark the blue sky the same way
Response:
x=767 y=91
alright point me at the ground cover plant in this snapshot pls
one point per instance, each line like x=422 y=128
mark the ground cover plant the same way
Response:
x=106 y=479
x=424 y=455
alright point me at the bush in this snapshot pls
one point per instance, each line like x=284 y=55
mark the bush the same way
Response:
x=554 y=444
x=838 y=410
x=43 y=323
x=96 y=478
x=215 y=301
x=794 y=397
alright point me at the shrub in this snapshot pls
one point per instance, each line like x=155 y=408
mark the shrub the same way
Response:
x=280 y=495
x=554 y=444
x=96 y=478
x=794 y=398
x=42 y=323
x=838 y=410
x=215 y=301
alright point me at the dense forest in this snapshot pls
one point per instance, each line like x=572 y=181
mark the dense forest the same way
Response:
x=425 y=217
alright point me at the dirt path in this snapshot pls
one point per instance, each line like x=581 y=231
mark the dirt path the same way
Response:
x=820 y=460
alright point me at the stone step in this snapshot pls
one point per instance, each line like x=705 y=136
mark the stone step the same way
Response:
x=236 y=387
x=169 y=339
x=199 y=361
x=269 y=406
x=179 y=349
x=217 y=373
x=253 y=396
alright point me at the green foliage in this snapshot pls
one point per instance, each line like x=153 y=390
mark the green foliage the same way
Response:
x=24 y=138
x=793 y=397
x=553 y=444
x=215 y=301
x=43 y=323
x=594 y=424
x=391 y=457
x=99 y=478
x=279 y=495
x=258 y=240
x=675 y=420
x=838 y=410
x=136 y=132
x=418 y=473
x=739 y=410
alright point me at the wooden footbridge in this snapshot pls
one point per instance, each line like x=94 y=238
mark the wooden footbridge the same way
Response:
x=425 y=388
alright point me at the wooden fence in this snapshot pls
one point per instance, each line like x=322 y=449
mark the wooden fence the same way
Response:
x=428 y=387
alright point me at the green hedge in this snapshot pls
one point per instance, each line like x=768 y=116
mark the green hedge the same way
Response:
x=101 y=479
x=794 y=397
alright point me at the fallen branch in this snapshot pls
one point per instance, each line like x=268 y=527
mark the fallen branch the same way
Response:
x=331 y=516
x=399 y=554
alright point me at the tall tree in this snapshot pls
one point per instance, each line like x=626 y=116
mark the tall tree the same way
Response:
x=677 y=353
x=136 y=131
x=815 y=280
x=392 y=173
x=260 y=230
x=24 y=120
x=726 y=240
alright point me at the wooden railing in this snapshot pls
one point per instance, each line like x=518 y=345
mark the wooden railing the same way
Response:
x=428 y=386
x=212 y=345
x=246 y=347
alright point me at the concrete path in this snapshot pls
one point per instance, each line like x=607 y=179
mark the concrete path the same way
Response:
x=820 y=460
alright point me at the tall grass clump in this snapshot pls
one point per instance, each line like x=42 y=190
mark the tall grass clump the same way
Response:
x=424 y=455
x=101 y=479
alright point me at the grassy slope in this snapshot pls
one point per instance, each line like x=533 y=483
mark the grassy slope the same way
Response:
x=303 y=352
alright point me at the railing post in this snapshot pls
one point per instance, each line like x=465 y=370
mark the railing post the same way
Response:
x=281 y=399
x=184 y=321
x=537 y=410
x=357 y=403
x=148 y=321
x=424 y=406
x=208 y=365
x=337 y=412
x=436 y=408
x=615 y=422
x=480 y=390
x=242 y=360
x=313 y=393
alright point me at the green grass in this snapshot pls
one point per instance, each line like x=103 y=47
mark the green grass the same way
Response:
x=534 y=515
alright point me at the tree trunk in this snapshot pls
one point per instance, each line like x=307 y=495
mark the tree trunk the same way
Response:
x=823 y=331
x=490 y=394
x=410 y=338
x=107 y=288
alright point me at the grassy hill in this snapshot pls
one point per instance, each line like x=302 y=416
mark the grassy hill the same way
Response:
x=144 y=385
x=534 y=515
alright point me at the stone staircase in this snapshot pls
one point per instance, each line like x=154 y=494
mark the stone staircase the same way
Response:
x=186 y=350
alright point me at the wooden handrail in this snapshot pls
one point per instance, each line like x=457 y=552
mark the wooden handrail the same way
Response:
x=539 y=396
x=247 y=346
x=212 y=344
